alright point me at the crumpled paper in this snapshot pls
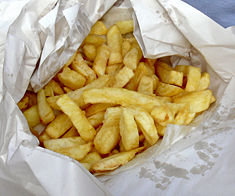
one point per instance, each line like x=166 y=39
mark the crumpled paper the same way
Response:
x=190 y=160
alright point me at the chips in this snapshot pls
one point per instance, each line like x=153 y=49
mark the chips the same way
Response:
x=108 y=103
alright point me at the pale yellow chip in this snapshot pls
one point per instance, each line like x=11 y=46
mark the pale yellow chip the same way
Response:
x=132 y=57
x=99 y=107
x=123 y=77
x=57 y=90
x=114 y=161
x=160 y=129
x=167 y=75
x=167 y=90
x=32 y=116
x=113 y=69
x=52 y=102
x=146 y=124
x=114 y=41
x=204 y=81
x=101 y=59
x=99 y=28
x=70 y=60
x=77 y=152
x=108 y=136
x=96 y=119
x=198 y=100
x=71 y=78
x=23 y=103
x=48 y=91
x=72 y=132
x=126 y=46
x=80 y=66
x=54 y=144
x=95 y=40
x=58 y=126
x=66 y=89
x=77 y=116
x=43 y=137
x=91 y=158
x=46 y=114
x=128 y=130
x=146 y=85
x=90 y=51
x=125 y=26
x=123 y=97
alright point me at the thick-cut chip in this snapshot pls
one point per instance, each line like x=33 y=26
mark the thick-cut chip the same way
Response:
x=128 y=130
x=99 y=28
x=77 y=116
x=151 y=63
x=43 y=137
x=53 y=88
x=160 y=129
x=114 y=41
x=76 y=152
x=123 y=77
x=193 y=75
x=125 y=26
x=99 y=107
x=95 y=40
x=101 y=59
x=133 y=57
x=115 y=151
x=113 y=69
x=86 y=165
x=96 y=119
x=123 y=97
x=80 y=66
x=213 y=99
x=155 y=81
x=54 y=144
x=168 y=75
x=32 y=98
x=45 y=112
x=140 y=71
x=70 y=60
x=198 y=101
x=121 y=147
x=32 y=116
x=108 y=136
x=114 y=161
x=90 y=51
x=52 y=102
x=71 y=78
x=66 y=89
x=167 y=90
x=126 y=46
x=72 y=132
x=48 y=91
x=58 y=126
x=146 y=85
x=91 y=158
x=146 y=124
x=23 y=103
x=204 y=81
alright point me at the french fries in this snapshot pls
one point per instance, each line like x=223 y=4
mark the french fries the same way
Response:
x=109 y=103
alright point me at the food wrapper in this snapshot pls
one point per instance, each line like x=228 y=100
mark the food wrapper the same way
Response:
x=37 y=38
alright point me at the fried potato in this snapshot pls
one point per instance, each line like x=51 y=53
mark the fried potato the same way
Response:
x=140 y=71
x=91 y=158
x=128 y=130
x=204 y=81
x=167 y=90
x=123 y=77
x=146 y=85
x=198 y=100
x=114 y=41
x=66 y=89
x=151 y=63
x=78 y=118
x=160 y=129
x=123 y=97
x=101 y=59
x=71 y=78
x=57 y=90
x=114 y=161
x=95 y=40
x=90 y=51
x=146 y=124
x=99 y=28
x=133 y=57
x=52 y=102
x=86 y=165
x=48 y=91
x=141 y=137
x=43 y=137
x=213 y=99
x=125 y=26
x=32 y=98
x=76 y=152
x=108 y=136
x=96 y=119
x=72 y=132
x=155 y=81
x=126 y=46
x=54 y=144
x=58 y=126
x=168 y=75
x=70 y=60
x=99 y=107
x=113 y=69
x=32 y=116
x=46 y=114
x=23 y=103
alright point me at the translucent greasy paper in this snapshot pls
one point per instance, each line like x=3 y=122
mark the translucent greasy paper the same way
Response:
x=190 y=160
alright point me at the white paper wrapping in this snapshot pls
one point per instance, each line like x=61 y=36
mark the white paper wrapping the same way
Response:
x=191 y=160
